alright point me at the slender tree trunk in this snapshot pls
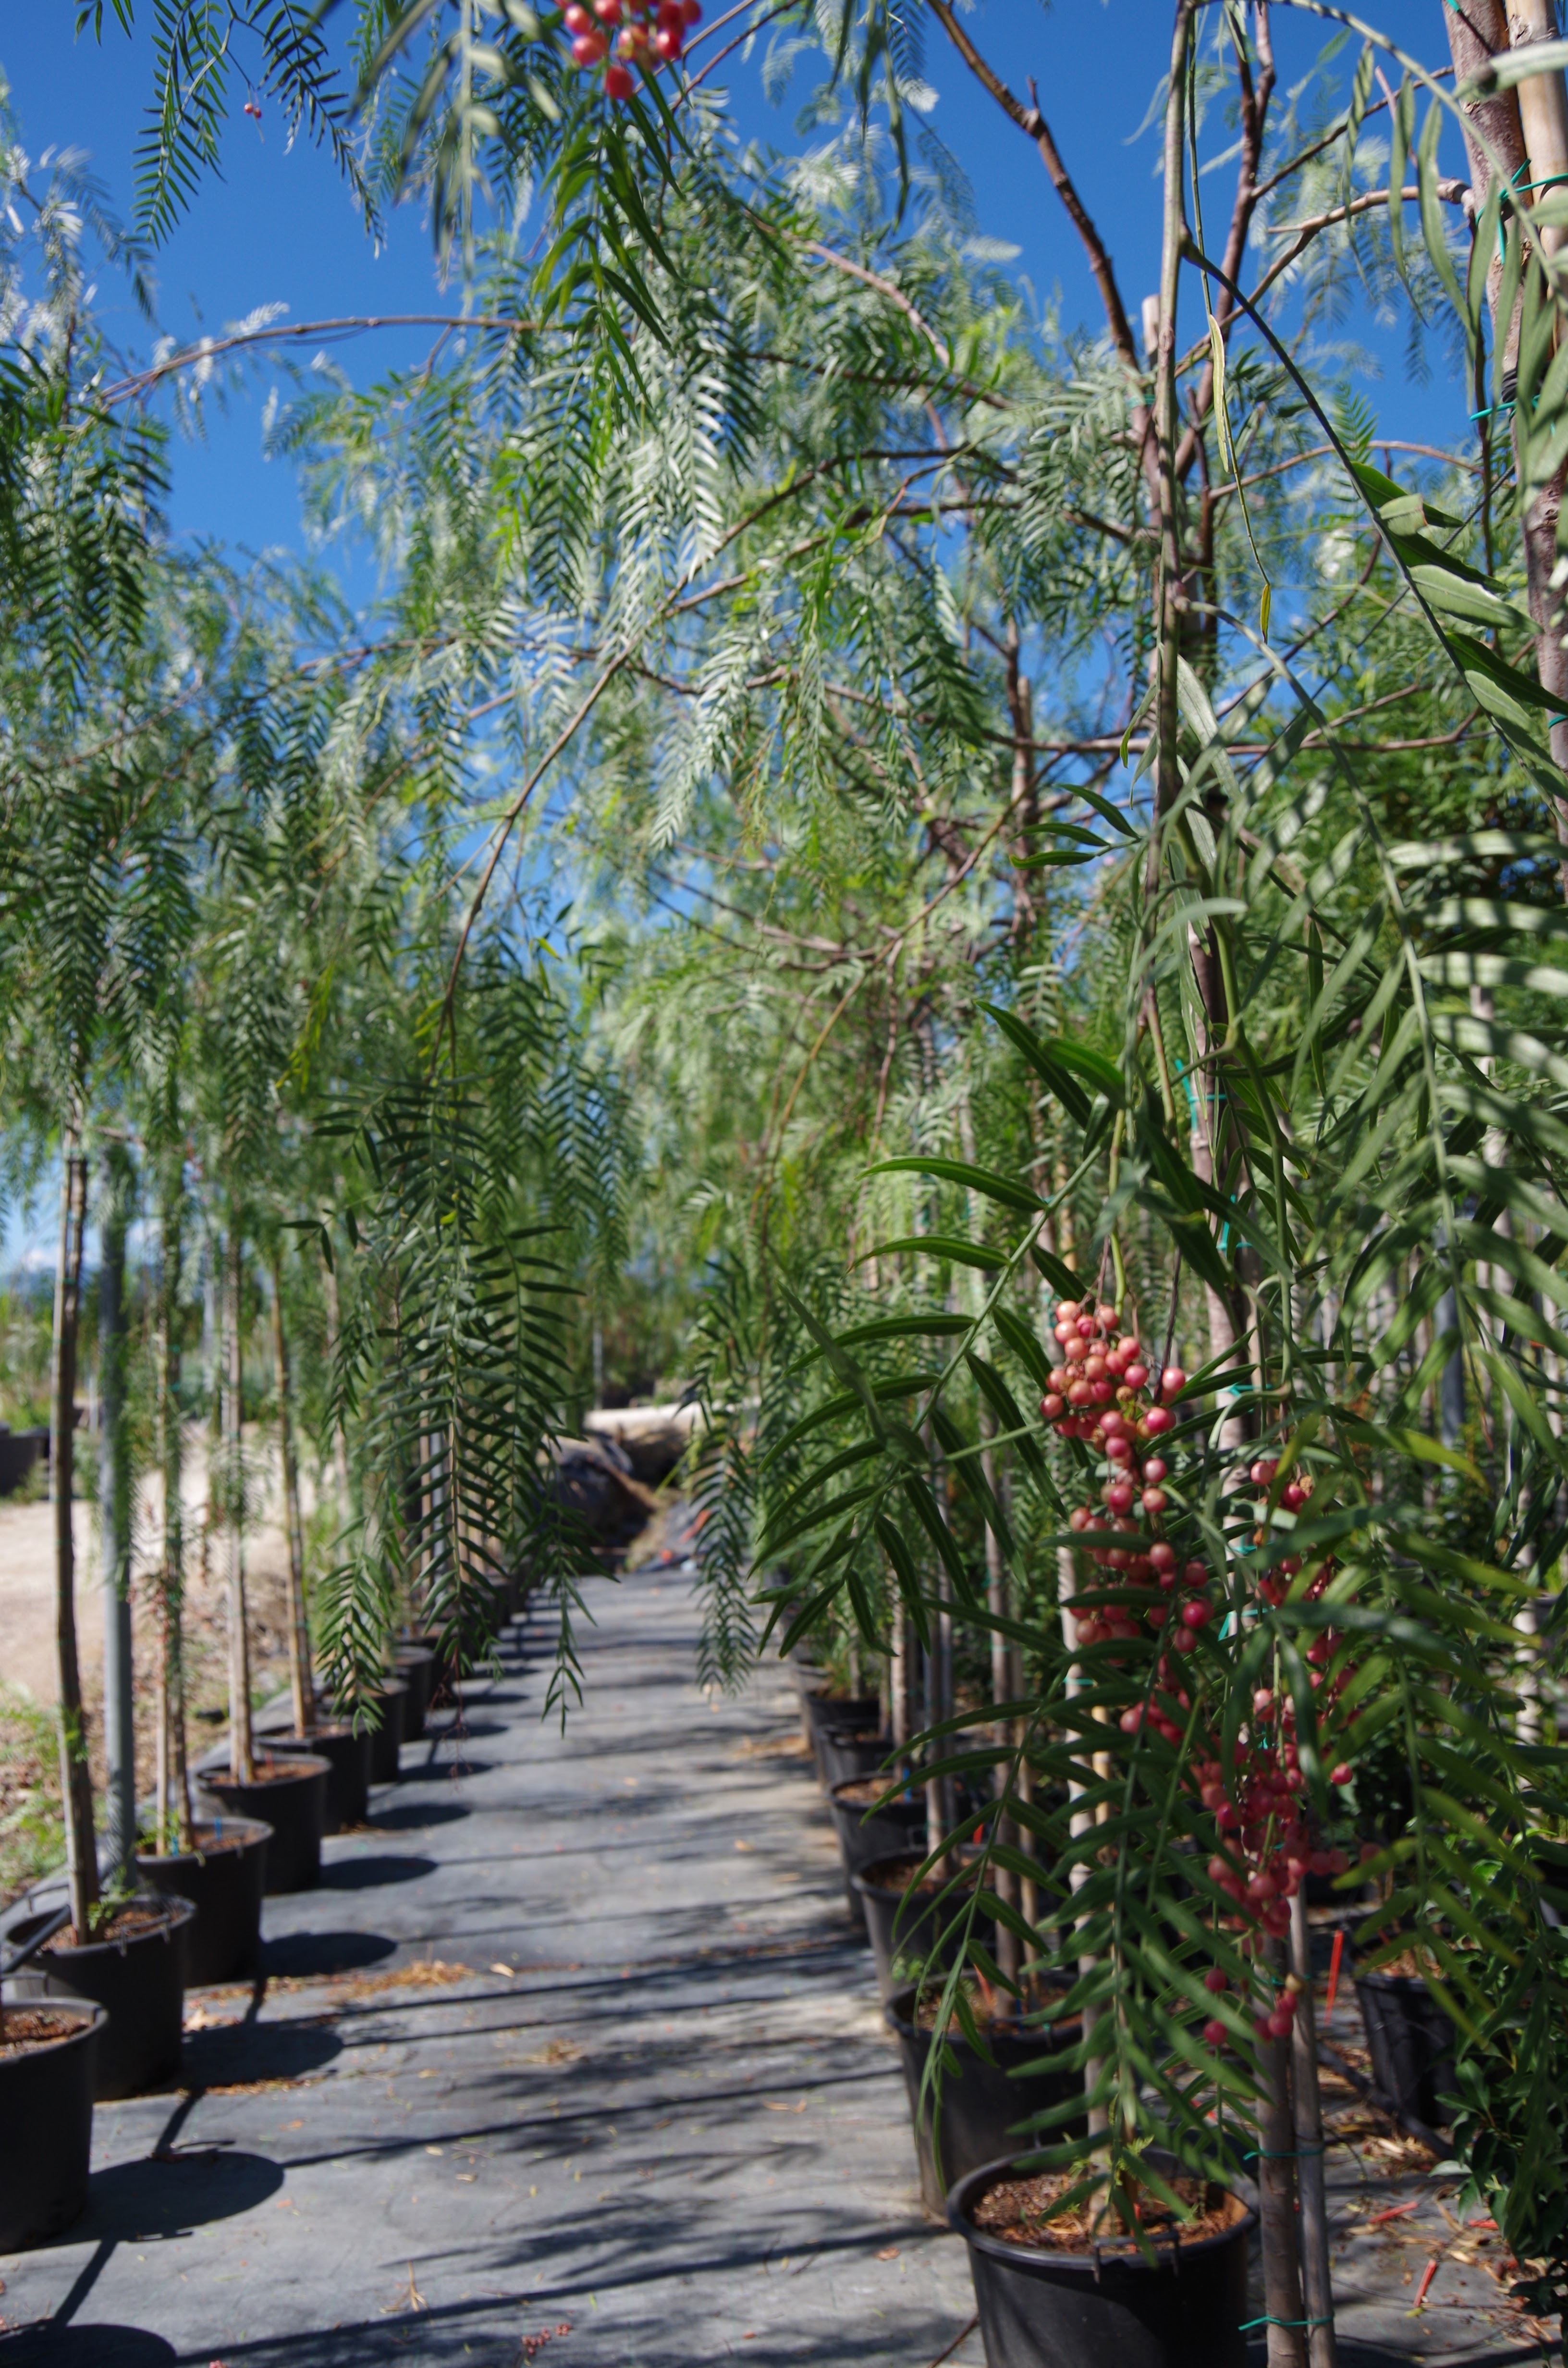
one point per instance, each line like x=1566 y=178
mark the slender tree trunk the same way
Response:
x=1317 y=2282
x=241 y=1748
x=172 y=1762
x=899 y=1678
x=339 y=1444
x=114 y=1528
x=300 y=1671
x=997 y=1603
x=1277 y=2200
x=161 y=1744
x=75 y=1780
x=1528 y=129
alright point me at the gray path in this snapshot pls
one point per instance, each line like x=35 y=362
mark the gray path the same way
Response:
x=671 y=2124
x=572 y=2045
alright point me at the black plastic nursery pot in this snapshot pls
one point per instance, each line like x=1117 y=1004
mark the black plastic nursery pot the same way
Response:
x=983 y=2101
x=820 y=1710
x=386 y=1743
x=1411 y=2043
x=903 y=1926
x=290 y=1795
x=348 y=1756
x=137 y=1976
x=1107 y=2307
x=443 y=1671
x=862 y=1837
x=416 y=1665
x=46 y=2114
x=846 y=1752
x=223 y=1878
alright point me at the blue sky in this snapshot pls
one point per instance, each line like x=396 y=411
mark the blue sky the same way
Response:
x=280 y=227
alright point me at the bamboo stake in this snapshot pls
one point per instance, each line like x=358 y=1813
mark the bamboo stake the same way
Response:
x=76 y=1780
x=241 y=1743
x=299 y=1673
x=161 y=1746
x=1317 y=2282
x=172 y=1768
x=114 y=1531
x=1276 y=2201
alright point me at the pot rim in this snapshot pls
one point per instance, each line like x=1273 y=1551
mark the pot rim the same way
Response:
x=966 y=2192
x=862 y=1876
x=88 y=2016
x=1378 y=1978
x=173 y=1913
x=875 y=1809
x=256 y=1831
x=1034 y=2036
x=301 y=1764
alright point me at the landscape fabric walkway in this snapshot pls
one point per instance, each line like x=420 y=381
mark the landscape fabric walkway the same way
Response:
x=573 y=2036
x=573 y=2055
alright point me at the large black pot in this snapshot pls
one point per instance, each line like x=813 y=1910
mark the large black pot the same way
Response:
x=903 y=1928
x=981 y=2101
x=1411 y=2043
x=348 y=1756
x=386 y=1742
x=1110 y=2310
x=846 y=1752
x=820 y=1709
x=443 y=1671
x=46 y=2115
x=223 y=1878
x=139 y=1981
x=416 y=1665
x=863 y=1837
x=291 y=1794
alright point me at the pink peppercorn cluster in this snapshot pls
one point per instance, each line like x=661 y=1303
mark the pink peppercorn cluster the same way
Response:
x=1104 y=1392
x=637 y=40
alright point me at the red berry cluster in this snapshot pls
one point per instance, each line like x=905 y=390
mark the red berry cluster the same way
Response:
x=638 y=40
x=1103 y=1393
x=1097 y=1368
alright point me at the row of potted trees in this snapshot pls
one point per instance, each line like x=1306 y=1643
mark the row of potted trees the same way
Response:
x=98 y=2014
x=990 y=2064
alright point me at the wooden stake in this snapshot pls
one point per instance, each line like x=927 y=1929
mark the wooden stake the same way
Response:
x=299 y=1673
x=1317 y=2282
x=1276 y=2201
x=241 y=1744
x=76 y=1780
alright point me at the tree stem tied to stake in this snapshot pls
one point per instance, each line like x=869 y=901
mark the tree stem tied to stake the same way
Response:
x=1167 y=589
x=75 y=1780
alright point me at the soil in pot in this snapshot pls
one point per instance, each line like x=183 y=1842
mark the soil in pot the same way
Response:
x=1049 y=2287
x=988 y=2094
x=348 y=1755
x=135 y=1971
x=289 y=1794
x=904 y=1921
x=416 y=1665
x=1411 y=2043
x=48 y=2057
x=846 y=1752
x=223 y=1878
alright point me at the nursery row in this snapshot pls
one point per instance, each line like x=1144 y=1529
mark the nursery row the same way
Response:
x=99 y=2016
